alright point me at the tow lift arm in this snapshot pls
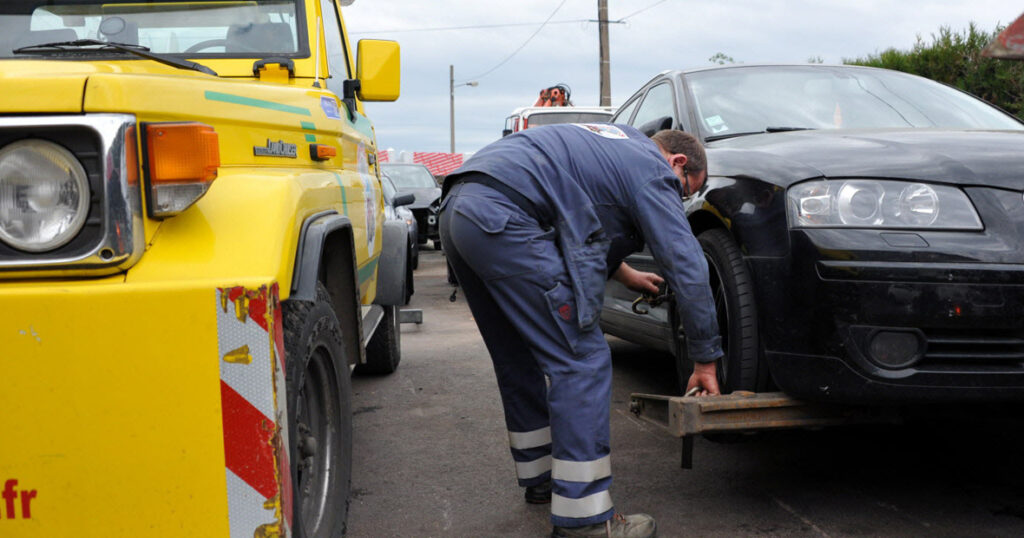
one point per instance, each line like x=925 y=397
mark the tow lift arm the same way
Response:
x=741 y=412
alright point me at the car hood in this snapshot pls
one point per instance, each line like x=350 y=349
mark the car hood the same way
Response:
x=424 y=197
x=961 y=157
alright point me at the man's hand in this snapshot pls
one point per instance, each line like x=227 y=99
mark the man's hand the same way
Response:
x=638 y=281
x=705 y=378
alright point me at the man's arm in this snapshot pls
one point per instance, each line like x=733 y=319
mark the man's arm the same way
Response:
x=661 y=217
x=638 y=281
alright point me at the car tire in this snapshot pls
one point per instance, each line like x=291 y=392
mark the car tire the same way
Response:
x=384 y=351
x=415 y=249
x=733 y=292
x=319 y=399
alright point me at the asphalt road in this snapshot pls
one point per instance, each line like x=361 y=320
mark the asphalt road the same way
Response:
x=432 y=457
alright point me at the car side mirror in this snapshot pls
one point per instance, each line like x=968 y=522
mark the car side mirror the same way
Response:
x=655 y=125
x=405 y=198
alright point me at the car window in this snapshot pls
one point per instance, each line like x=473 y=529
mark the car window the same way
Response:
x=756 y=99
x=410 y=176
x=202 y=29
x=622 y=116
x=657 y=103
x=337 y=58
x=550 y=118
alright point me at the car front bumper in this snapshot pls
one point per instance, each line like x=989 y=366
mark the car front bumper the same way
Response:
x=885 y=323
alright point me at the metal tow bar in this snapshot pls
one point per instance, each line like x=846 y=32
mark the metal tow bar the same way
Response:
x=742 y=411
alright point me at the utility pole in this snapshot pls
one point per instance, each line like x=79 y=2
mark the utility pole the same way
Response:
x=606 y=82
x=451 y=103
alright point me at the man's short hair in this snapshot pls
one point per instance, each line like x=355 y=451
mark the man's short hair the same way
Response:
x=676 y=141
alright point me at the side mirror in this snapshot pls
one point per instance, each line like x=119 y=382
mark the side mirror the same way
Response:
x=506 y=132
x=655 y=125
x=405 y=198
x=378 y=70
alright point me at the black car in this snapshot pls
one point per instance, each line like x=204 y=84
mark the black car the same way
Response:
x=417 y=179
x=863 y=228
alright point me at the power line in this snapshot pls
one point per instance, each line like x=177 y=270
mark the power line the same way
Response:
x=506 y=25
x=473 y=27
x=641 y=11
x=534 y=34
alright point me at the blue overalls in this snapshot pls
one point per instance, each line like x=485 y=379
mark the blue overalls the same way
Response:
x=532 y=254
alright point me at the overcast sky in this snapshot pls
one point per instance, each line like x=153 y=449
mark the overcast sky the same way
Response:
x=656 y=35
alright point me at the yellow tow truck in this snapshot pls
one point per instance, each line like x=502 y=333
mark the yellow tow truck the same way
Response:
x=193 y=258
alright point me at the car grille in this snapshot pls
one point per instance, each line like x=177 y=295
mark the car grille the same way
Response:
x=949 y=349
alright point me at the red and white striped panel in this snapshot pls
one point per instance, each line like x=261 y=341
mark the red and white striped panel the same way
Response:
x=440 y=164
x=383 y=156
x=252 y=384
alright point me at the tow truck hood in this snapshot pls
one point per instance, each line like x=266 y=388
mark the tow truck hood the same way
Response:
x=959 y=157
x=59 y=87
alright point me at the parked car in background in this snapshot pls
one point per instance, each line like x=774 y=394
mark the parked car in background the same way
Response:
x=535 y=116
x=395 y=209
x=864 y=232
x=417 y=179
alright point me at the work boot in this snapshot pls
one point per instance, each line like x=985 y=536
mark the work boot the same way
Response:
x=539 y=494
x=619 y=526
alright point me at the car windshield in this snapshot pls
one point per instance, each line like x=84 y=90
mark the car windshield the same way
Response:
x=228 y=29
x=387 y=187
x=410 y=176
x=548 y=118
x=758 y=99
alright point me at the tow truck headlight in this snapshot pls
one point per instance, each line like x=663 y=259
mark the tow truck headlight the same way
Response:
x=44 y=195
x=868 y=203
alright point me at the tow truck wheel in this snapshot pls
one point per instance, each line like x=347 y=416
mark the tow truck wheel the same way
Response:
x=733 y=292
x=384 y=351
x=319 y=417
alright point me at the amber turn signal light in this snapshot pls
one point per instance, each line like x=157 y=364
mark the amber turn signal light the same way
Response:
x=182 y=162
x=321 y=152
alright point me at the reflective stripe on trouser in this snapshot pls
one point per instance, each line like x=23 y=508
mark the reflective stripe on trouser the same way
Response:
x=514 y=279
x=532 y=453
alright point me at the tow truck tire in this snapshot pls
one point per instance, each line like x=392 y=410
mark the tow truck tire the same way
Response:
x=319 y=396
x=384 y=351
x=733 y=292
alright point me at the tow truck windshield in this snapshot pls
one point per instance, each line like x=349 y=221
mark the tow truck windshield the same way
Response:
x=201 y=29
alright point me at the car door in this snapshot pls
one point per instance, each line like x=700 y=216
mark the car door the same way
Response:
x=656 y=110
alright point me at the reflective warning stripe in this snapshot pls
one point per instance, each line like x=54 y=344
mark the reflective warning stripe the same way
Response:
x=581 y=471
x=257 y=469
x=533 y=469
x=588 y=506
x=524 y=440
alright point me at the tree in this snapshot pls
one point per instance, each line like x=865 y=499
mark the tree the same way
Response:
x=955 y=59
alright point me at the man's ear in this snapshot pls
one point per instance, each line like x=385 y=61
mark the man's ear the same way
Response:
x=679 y=159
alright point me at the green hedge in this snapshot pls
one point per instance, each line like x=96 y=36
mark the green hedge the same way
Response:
x=955 y=59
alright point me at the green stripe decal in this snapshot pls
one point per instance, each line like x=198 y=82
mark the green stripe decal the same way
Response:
x=258 y=103
x=344 y=198
x=310 y=138
x=308 y=125
x=366 y=271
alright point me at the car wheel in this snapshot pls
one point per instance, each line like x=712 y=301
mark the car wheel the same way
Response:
x=733 y=292
x=384 y=351
x=409 y=281
x=452 y=279
x=319 y=416
x=415 y=255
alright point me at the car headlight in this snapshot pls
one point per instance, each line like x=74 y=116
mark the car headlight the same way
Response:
x=869 y=203
x=44 y=195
